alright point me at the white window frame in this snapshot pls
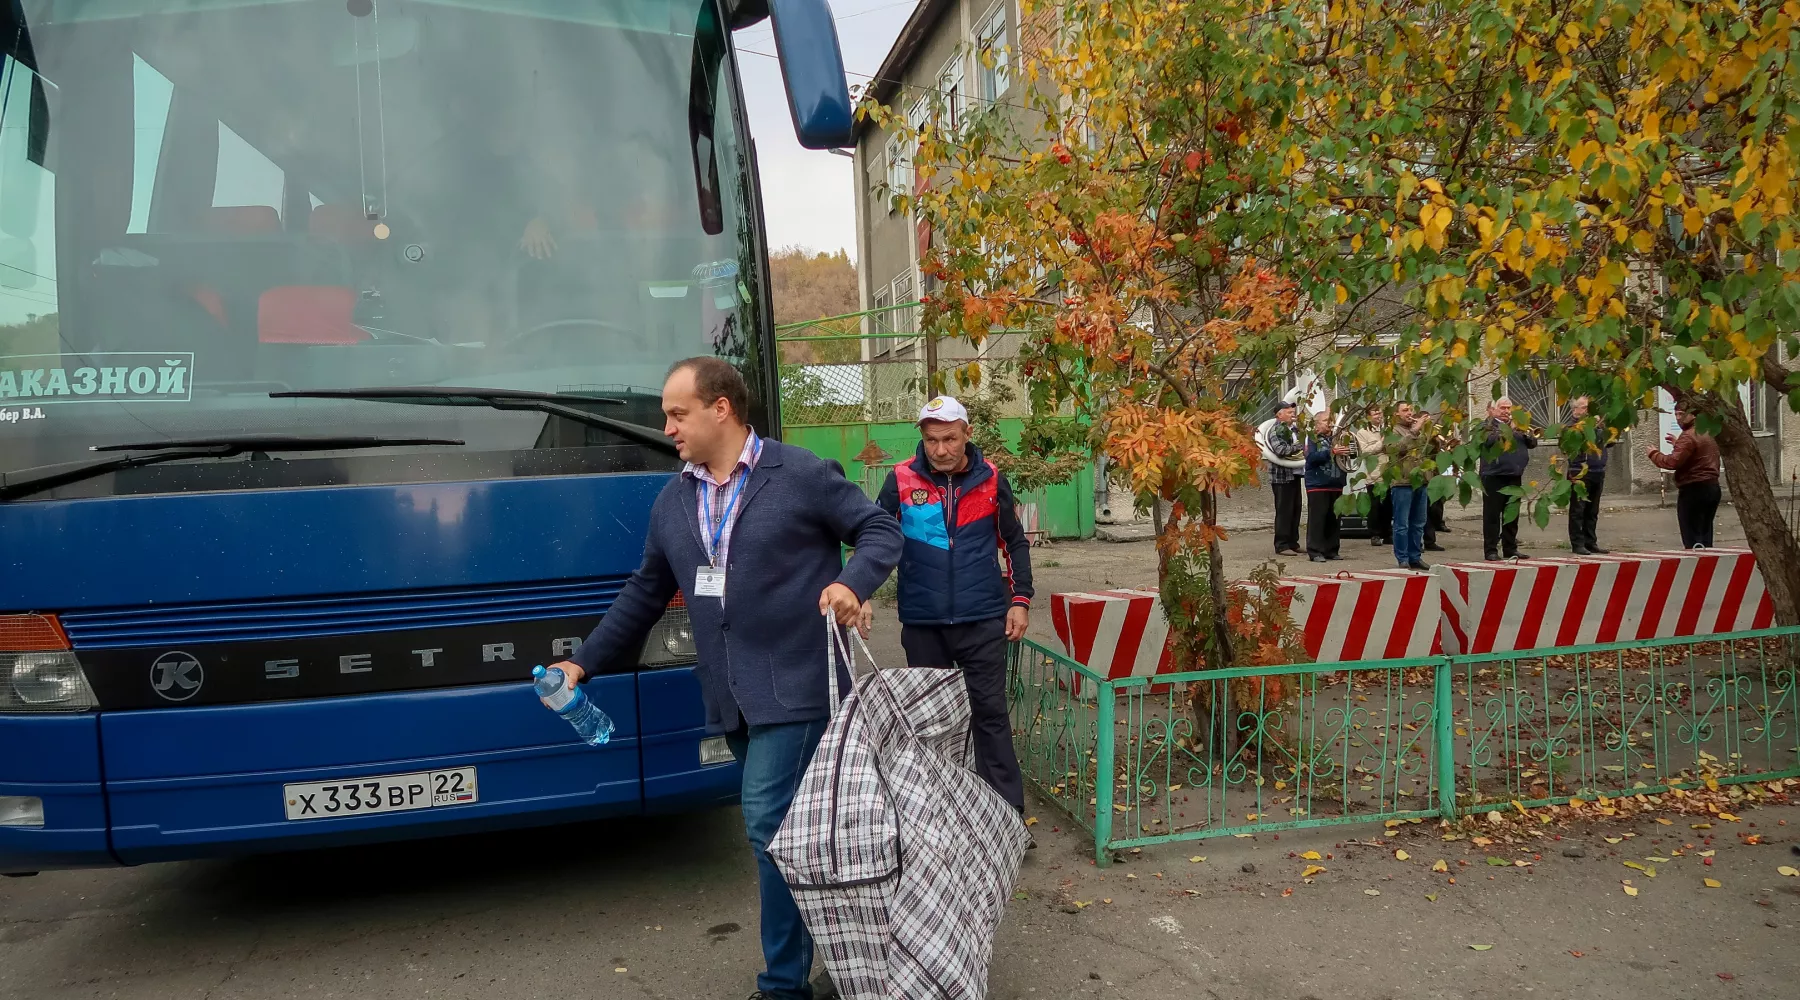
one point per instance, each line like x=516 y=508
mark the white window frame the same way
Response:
x=899 y=170
x=881 y=323
x=991 y=39
x=903 y=287
x=953 y=87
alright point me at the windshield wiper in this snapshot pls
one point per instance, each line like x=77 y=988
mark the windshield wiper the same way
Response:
x=25 y=482
x=556 y=403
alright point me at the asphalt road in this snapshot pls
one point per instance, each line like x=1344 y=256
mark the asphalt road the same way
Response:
x=666 y=907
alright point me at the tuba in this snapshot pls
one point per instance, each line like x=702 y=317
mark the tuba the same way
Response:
x=1262 y=442
x=1262 y=438
x=1344 y=437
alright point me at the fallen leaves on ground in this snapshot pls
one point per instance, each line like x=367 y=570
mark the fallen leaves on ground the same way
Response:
x=1481 y=947
x=1712 y=883
x=1310 y=856
x=1441 y=866
x=1577 y=954
x=1789 y=870
x=1402 y=856
x=1196 y=859
x=1630 y=890
x=1500 y=862
x=1312 y=870
x=1371 y=892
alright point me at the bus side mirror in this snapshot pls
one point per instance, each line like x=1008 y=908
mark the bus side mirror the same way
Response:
x=812 y=67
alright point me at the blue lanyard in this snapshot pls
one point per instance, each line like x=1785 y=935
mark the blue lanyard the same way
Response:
x=737 y=489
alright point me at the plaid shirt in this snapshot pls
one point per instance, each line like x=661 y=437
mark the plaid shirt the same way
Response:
x=711 y=497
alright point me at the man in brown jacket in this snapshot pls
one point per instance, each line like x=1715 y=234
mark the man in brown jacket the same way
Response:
x=1695 y=462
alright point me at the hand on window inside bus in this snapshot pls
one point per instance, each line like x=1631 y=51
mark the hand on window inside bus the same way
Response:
x=537 y=240
x=571 y=670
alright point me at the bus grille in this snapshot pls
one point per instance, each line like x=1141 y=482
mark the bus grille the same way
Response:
x=294 y=618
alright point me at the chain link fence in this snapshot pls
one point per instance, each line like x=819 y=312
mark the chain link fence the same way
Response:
x=870 y=367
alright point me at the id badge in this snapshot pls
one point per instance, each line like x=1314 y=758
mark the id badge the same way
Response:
x=709 y=581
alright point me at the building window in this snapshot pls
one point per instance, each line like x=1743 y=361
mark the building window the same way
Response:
x=991 y=54
x=882 y=322
x=904 y=318
x=952 y=88
x=899 y=169
x=1762 y=405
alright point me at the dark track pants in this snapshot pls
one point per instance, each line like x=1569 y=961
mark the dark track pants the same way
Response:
x=979 y=648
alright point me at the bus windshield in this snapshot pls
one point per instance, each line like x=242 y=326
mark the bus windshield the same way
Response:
x=203 y=202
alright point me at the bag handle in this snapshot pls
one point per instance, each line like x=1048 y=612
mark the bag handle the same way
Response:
x=839 y=651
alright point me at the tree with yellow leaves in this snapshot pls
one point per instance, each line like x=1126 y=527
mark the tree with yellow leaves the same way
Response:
x=1601 y=193
x=1130 y=239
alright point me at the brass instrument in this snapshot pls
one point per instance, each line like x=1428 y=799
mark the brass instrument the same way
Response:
x=1343 y=437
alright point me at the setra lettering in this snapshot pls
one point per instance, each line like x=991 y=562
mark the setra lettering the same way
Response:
x=356 y=663
x=564 y=648
x=427 y=657
x=281 y=669
x=493 y=651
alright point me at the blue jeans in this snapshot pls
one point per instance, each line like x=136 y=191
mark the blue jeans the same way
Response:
x=774 y=758
x=1411 y=506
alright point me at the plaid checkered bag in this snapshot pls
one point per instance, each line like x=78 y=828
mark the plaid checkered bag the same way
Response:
x=899 y=856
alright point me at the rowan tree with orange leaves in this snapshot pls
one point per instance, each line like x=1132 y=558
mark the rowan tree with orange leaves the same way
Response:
x=1117 y=216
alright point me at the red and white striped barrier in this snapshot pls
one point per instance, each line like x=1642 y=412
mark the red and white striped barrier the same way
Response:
x=1376 y=615
x=1368 y=615
x=1115 y=633
x=1539 y=603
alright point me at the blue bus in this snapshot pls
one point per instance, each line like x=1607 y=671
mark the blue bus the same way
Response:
x=331 y=340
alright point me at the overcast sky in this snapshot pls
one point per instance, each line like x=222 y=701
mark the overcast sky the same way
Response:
x=806 y=193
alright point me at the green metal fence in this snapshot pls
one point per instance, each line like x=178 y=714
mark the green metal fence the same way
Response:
x=1150 y=760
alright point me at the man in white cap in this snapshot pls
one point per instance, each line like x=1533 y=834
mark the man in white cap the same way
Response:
x=958 y=606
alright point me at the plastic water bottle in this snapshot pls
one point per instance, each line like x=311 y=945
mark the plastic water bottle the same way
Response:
x=552 y=686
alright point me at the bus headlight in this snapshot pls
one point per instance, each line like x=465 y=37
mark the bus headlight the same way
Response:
x=44 y=682
x=671 y=640
x=21 y=810
x=38 y=671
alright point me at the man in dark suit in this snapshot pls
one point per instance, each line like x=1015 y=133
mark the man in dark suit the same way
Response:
x=771 y=519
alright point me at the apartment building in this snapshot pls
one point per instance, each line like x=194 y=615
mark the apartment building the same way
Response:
x=962 y=55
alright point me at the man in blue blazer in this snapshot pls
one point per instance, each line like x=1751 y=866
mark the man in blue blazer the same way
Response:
x=751 y=534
